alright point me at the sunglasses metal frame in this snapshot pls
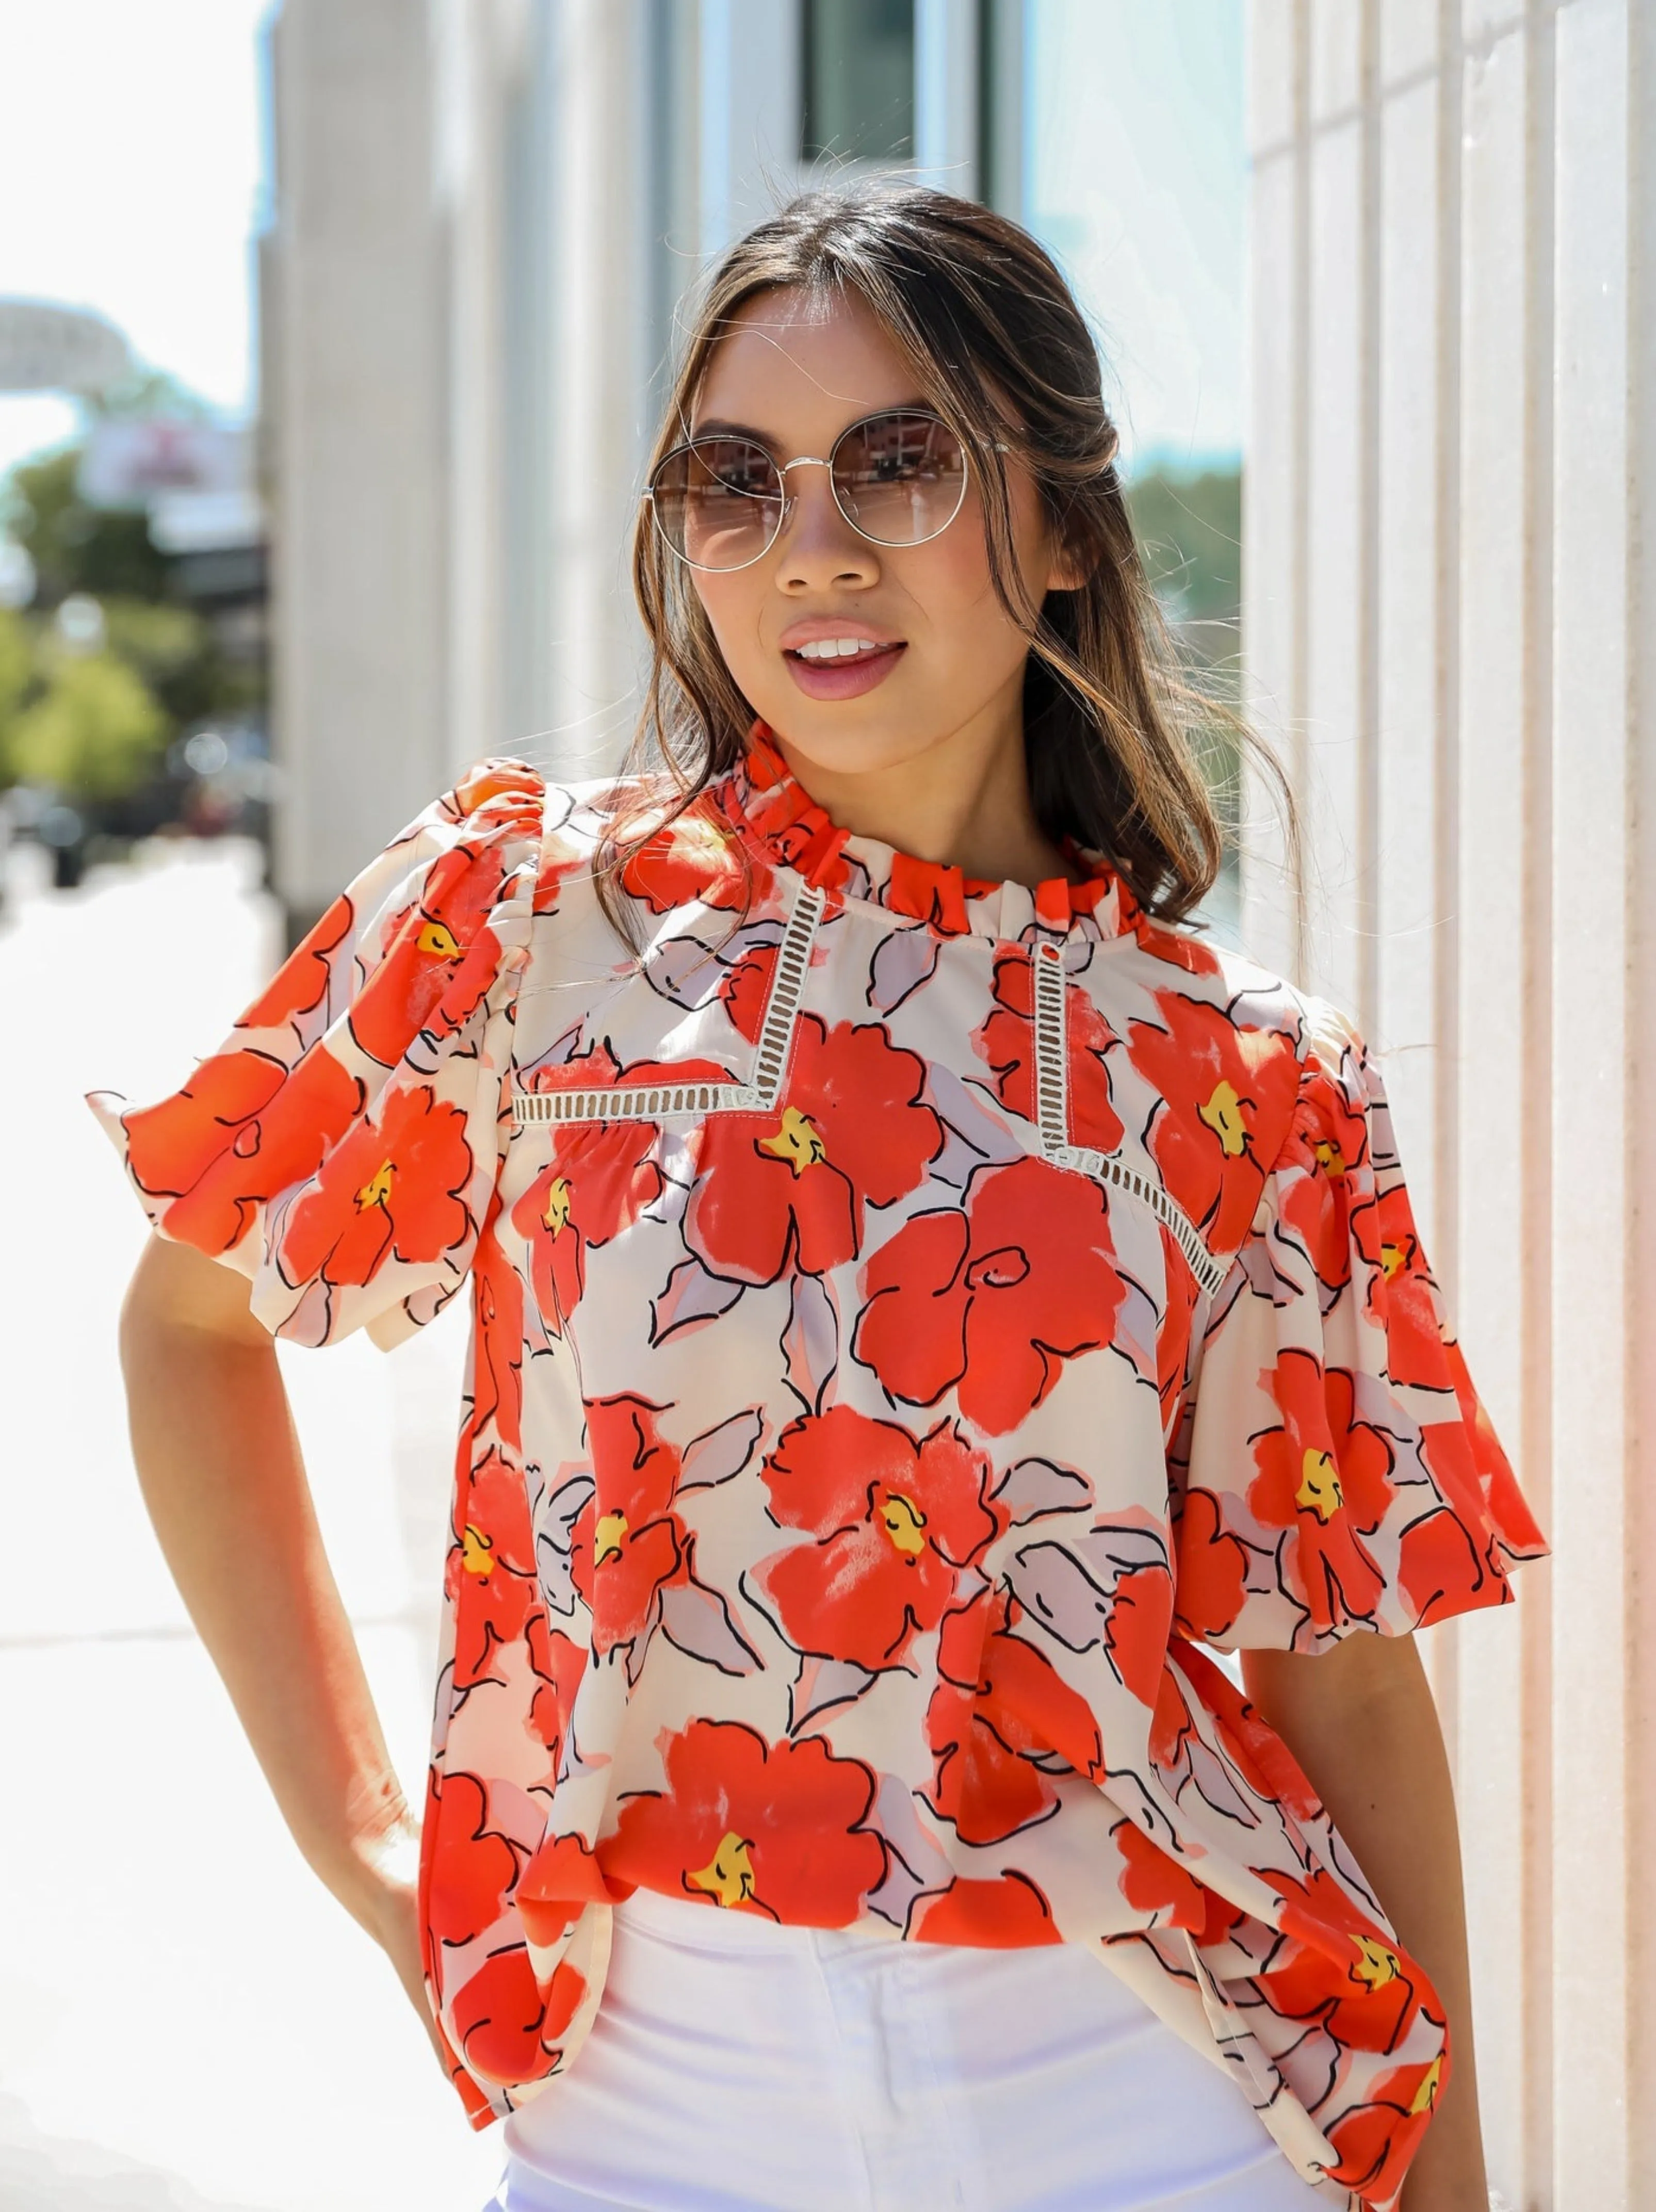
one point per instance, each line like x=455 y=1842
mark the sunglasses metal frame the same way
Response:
x=814 y=460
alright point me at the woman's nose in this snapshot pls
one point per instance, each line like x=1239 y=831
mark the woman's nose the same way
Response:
x=818 y=543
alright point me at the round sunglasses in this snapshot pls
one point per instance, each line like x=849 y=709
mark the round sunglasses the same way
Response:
x=899 y=478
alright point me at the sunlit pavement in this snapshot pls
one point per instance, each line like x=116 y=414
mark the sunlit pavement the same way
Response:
x=188 y=2021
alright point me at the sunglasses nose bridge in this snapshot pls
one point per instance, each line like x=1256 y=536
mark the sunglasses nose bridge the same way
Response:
x=790 y=498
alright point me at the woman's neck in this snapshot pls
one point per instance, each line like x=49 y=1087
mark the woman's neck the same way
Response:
x=963 y=799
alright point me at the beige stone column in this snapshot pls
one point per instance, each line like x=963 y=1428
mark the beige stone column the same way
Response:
x=1451 y=414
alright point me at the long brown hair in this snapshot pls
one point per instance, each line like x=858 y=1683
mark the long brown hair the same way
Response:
x=1113 y=724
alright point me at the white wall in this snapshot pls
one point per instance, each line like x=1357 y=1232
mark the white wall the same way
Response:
x=1452 y=214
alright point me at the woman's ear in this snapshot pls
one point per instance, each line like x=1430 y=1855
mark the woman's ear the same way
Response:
x=1068 y=568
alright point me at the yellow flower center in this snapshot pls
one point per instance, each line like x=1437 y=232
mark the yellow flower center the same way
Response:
x=1391 y=1258
x=476 y=1551
x=1223 y=1116
x=1377 y=1964
x=606 y=1538
x=697 y=838
x=437 y=940
x=556 y=1214
x=376 y=1191
x=728 y=1874
x=1426 y=2096
x=904 y=1523
x=797 y=1139
x=1320 y=1485
x=1330 y=1158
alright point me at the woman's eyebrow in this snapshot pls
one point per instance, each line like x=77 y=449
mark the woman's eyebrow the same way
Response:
x=717 y=426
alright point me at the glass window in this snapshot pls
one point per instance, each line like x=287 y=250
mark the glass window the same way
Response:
x=859 y=79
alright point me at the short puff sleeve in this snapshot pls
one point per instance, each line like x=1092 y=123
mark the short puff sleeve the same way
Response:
x=1333 y=1468
x=341 y=1148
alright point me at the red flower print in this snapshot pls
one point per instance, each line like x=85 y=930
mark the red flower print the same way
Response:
x=1178 y=950
x=1173 y=1338
x=1007 y=1914
x=1400 y=1295
x=1222 y=1088
x=697 y=857
x=489 y=1574
x=599 y=1179
x=935 y=891
x=300 y=983
x=1327 y=1477
x=424 y=947
x=1342 y=1968
x=1170 y=1723
x=241 y=1129
x=774 y=1829
x=1466 y=1462
x=626 y=1541
x=1006 y=1039
x=503 y=2026
x=1327 y=1177
x=1213 y=1566
x=496 y=1408
x=560 y=1881
x=393 y=1186
x=853 y=1134
x=558 y=1661
x=990 y=1301
x=998 y=1706
x=473 y=1867
x=1136 y=1634
x=1153 y=1880
x=1377 y=2141
x=896 y=1521
x=1440 y=1572
x=745 y=988
x=1252 y=1745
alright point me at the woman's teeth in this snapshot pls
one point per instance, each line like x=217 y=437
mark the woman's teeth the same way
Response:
x=836 y=648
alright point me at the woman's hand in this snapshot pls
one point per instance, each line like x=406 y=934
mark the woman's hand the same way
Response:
x=383 y=1897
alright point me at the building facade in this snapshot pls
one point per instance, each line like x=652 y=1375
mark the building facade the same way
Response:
x=1446 y=587
x=486 y=215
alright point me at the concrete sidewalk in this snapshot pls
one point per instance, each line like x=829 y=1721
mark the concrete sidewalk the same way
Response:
x=188 y=2021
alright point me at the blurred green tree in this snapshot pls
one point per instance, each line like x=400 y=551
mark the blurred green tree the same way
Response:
x=1188 y=526
x=94 y=728
x=94 y=731
x=75 y=547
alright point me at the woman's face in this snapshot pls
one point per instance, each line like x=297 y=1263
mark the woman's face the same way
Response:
x=794 y=372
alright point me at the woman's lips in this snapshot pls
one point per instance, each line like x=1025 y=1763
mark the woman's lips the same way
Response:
x=844 y=680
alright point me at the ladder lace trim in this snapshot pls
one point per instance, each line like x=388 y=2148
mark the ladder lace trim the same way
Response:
x=655 y=1102
x=1052 y=1111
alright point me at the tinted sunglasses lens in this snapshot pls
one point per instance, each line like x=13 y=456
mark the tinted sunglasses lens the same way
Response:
x=718 y=503
x=900 y=478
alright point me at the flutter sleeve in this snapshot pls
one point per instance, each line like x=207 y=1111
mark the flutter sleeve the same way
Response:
x=341 y=1148
x=1334 y=1469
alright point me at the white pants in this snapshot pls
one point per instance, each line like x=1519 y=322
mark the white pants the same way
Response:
x=738 y=2066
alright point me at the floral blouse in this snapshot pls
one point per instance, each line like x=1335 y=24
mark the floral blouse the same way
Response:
x=912 y=1316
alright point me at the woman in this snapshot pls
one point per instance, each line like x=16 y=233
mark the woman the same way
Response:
x=921 y=1296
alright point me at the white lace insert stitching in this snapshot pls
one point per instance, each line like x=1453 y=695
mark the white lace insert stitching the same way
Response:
x=627 y=1102
x=1052 y=1109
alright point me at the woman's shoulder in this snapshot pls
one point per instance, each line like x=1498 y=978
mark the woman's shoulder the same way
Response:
x=505 y=800
x=1180 y=963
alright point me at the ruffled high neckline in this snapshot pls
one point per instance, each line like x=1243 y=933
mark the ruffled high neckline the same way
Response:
x=763 y=796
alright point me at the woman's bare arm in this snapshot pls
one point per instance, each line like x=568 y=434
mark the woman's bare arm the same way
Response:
x=222 y=1474
x=1361 y=1721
